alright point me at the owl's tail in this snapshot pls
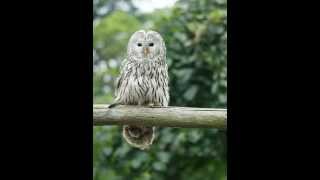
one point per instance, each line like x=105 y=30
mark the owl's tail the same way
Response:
x=139 y=136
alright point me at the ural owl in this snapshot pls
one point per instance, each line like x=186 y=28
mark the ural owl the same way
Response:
x=143 y=81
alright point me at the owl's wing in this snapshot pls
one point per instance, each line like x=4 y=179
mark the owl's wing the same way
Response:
x=119 y=79
x=123 y=63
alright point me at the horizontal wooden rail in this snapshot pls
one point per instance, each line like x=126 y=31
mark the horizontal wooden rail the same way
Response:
x=187 y=117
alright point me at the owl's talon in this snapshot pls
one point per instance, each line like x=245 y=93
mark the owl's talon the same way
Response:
x=154 y=106
x=113 y=105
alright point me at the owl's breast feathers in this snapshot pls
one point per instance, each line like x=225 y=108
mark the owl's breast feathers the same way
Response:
x=142 y=83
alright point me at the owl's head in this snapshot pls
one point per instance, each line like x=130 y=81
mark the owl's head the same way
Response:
x=146 y=45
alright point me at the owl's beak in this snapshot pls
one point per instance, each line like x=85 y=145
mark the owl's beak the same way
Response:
x=146 y=51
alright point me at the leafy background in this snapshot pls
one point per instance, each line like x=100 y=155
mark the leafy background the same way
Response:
x=195 y=32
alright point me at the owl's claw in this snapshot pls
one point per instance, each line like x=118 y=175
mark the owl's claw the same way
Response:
x=113 y=105
x=154 y=106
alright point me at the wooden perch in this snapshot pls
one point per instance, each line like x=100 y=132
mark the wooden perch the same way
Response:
x=186 y=117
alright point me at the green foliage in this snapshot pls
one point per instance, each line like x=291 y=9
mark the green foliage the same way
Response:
x=102 y=8
x=195 y=32
x=111 y=33
x=110 y=38
x=196 y=38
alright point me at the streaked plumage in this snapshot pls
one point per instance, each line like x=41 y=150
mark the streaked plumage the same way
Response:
x=143 y=81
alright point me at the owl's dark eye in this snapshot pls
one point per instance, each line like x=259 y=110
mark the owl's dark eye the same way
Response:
x=150 y=44
x=139 y=44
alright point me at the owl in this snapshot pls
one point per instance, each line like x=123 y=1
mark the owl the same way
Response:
x=143 y=81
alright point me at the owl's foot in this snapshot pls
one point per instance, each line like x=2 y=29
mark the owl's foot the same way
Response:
x=113 y=105
x=154 y=106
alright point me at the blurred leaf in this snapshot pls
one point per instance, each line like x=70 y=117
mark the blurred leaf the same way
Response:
x=191 y=92
x=159 y=166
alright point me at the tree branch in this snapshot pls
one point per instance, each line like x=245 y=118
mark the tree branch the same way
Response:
x=186 y=117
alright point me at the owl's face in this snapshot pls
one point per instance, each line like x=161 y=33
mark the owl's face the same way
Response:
x=146 y=45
